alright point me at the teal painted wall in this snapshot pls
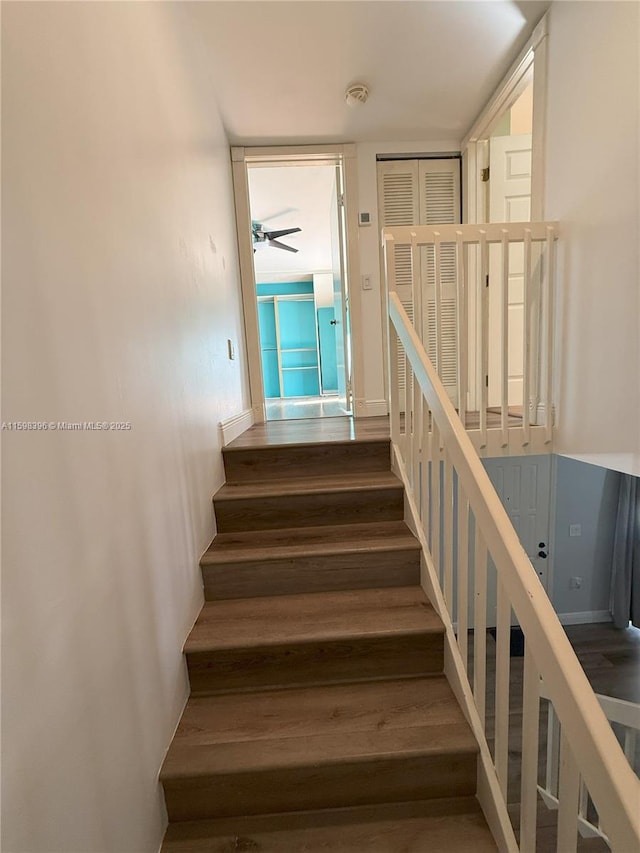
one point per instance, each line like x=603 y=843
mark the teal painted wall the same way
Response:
x=286 y=288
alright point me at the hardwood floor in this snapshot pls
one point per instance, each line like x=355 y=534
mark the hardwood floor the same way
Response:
x=295 y=408
x=611 y=660
x=331 y=429
x=310 y=430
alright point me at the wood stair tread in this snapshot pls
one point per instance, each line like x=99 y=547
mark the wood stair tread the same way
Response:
x=310 y=541
x=318 y=726
x=438 y=826
x=235 y=447
x=308 y=486
x=309 y=617
x=313 y=431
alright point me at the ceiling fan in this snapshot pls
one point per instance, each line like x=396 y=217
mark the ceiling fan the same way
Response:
x=261 y=235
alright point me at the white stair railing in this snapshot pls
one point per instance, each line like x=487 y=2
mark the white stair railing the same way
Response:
x=625 y=716
x=480 y=298
x=468 y=540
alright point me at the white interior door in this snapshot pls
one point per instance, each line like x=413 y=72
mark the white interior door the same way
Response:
x=524 y=487
x=509 y=201
x=340 y=291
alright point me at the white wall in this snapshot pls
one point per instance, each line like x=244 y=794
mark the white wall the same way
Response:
x=120 y=290
x=592 y=188
x=369 y=247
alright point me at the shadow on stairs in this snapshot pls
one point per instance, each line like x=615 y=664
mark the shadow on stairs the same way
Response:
x=319 y=718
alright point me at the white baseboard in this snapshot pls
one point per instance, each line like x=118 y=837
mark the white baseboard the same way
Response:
x=234 y=426
x=585 y=617
x=375 y=408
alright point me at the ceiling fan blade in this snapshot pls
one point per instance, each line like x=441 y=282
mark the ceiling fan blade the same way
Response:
x=278 y=245
x=273 y=235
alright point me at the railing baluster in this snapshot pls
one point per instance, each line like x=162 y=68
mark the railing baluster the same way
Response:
x=447 y=509
x=480 y=623
x=394 y=384
x=415 y=438
x=408 y=419
x=462 y=609
x=436 y=506
x=416 y=286
x=529 y=766
x=394 y=342
x=548 y=385
x=484 y=337
x=568 y=795
x=437 y=275
x=526 y=341
x=406 y=425
x=504 y=337
x=425 y=478
x=503 y=660
x=461 y=327
x=553 y=751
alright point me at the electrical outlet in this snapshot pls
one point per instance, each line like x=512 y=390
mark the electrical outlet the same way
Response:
x=575 y=583
x=575 y=530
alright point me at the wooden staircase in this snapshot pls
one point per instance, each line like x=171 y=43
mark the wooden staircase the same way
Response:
x=319 y=718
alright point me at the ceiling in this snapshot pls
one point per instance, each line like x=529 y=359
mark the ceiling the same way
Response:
x=302 y=195
x=280 y=69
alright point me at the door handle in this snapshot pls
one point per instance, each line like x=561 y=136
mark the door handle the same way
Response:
x=542 y=554
x=333 y=322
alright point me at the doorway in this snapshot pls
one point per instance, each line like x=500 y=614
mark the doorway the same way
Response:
x=523 y=484
x=507 y=193
x=293 y=230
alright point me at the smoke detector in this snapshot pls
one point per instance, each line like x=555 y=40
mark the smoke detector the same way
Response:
x=356 y=94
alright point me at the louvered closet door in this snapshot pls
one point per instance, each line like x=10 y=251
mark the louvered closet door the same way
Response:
x=399 y=204
x=425 y=192
x=439 y=182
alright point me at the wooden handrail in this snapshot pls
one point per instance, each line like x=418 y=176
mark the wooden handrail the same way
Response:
x=612 y=784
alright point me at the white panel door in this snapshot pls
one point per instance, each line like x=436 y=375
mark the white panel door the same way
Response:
x=509 y=201
x=523 y=484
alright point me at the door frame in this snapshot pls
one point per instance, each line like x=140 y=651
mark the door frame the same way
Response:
x=296 y=155
x=530 y=66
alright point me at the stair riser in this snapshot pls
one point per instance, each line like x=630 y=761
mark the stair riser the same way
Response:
x=345 y=507
x=267 y=463
x=312 y=574
x=317 y=787
x=315 y=662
